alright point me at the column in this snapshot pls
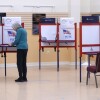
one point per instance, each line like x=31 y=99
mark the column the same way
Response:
x=74 y=10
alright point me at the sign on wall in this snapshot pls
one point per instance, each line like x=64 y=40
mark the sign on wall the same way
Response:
x=35 y=22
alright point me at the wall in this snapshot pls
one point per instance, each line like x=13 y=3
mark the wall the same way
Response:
x=95 y=6
x=34 y=6
x=90 y=6
x=47 y=6
x=85 y=6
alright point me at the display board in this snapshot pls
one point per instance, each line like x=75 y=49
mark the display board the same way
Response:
x=48 y=34
x=67 y=31
x=8 y=32
x=90 y=37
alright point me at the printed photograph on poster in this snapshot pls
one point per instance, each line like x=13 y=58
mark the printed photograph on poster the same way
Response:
x=35 y=22
x=9 y=36
x=66 y=34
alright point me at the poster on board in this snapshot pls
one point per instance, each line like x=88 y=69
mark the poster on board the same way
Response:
x=8 y=36
x=8 y=32
x=48 y=33
x=92 y=31
x=66 y=29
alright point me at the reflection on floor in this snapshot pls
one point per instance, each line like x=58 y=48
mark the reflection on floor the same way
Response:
x=48 y=84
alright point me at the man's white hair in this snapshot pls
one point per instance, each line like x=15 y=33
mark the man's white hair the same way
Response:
x=15 y=26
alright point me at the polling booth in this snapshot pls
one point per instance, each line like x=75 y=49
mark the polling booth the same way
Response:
x=66 y=31
x=7 y=36
x=89 y=38
x=57 y=34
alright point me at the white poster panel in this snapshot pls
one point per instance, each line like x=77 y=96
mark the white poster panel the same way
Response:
x=0 y=34
x=90 y=34
x=66 y=29
x=48 y=32
x=8 y=32
x=8 y=21
x=8 y=36
x=90 y=49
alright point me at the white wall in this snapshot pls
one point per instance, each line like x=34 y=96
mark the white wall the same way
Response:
x=95 y=6
x=90 y=6
x=85 y=6
x=46 y=6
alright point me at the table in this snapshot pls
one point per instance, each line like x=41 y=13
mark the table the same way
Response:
x=5 y=48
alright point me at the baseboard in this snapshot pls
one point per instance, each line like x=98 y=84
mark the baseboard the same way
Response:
x=36 y=64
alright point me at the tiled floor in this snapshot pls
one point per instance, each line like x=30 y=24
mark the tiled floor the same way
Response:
x=48 y=84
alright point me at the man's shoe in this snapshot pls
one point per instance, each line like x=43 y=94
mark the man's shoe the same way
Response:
x=19 y=80
x=25 y=79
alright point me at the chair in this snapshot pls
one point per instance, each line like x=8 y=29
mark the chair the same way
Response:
x=94 y=69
